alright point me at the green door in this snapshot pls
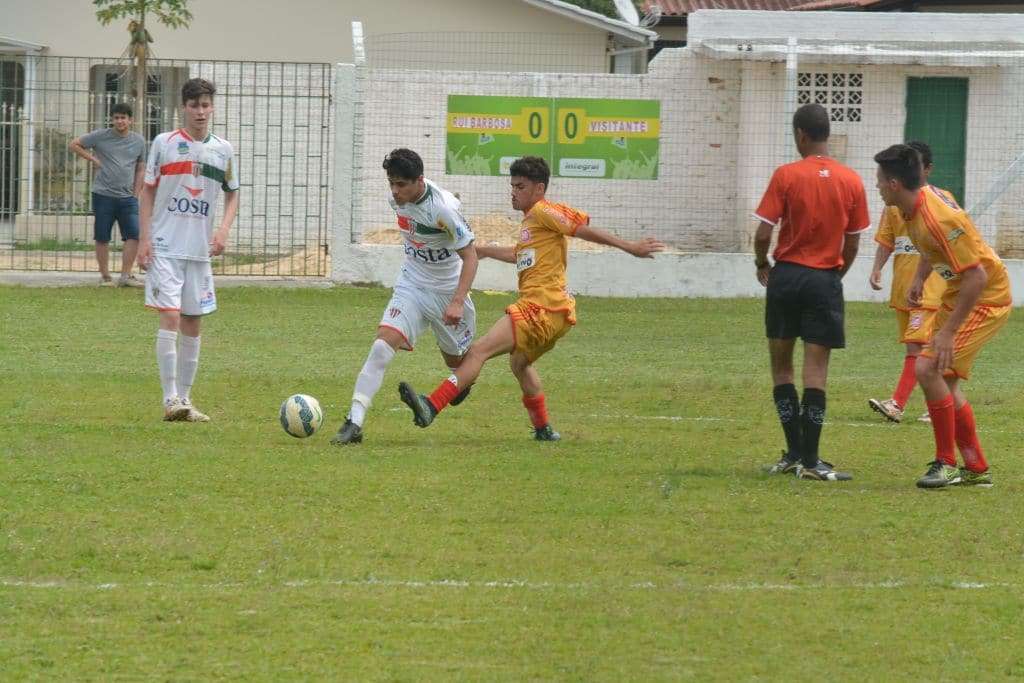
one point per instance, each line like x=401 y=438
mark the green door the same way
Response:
x=937 y=115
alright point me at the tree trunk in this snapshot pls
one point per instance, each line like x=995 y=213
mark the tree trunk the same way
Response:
x=141 y=52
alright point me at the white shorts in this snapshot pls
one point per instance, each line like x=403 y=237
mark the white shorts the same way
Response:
x=411 y=310
x=175 y=284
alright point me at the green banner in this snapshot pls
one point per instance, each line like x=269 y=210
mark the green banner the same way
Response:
x=580 y=138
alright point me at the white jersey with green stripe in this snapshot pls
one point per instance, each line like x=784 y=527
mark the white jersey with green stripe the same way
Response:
x=188 y=175
x=433 y=230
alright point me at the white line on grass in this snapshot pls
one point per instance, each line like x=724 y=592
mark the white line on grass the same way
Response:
x=523 y=584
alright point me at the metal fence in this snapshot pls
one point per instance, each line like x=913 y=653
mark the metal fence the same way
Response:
x=278 y=117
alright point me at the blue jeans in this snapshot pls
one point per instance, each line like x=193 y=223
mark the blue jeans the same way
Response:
x=124 y=210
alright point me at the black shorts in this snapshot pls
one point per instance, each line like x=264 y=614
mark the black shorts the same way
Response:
x=805 y=302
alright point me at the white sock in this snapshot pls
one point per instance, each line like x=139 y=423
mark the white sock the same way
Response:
x=167 y=361
x=369 y=380
x=188 y=363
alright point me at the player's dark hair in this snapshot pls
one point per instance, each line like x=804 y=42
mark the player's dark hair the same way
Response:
x=121 y=108
x=812 y=119
x=403 y=163
x=195 y=88
x=531 y=168
x=924 y=150
x=901 y=162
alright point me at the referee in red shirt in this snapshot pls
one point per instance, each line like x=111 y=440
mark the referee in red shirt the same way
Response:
x=821 y=209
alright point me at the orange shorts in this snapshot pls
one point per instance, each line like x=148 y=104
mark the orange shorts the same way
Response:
x=981 y=325
x=536 y=329
x=915 y=326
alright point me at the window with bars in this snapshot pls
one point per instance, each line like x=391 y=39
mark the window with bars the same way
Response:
x=842 y=94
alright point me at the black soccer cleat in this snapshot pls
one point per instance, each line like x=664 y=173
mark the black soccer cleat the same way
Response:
x=461 y=396
x=546 y=433
x=423 y=411
x=349 y=433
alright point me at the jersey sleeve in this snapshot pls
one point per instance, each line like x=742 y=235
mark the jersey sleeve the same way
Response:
x=450 y=219
x=90 y=139
x=961 y=245
x=886 y=234
x=859 y=220
x=153 y=164
x=230 y=183
x=142 y=151
x=773 y=203
x=561 y=218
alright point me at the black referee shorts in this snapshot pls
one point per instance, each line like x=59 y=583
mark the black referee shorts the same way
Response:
x=805 y=302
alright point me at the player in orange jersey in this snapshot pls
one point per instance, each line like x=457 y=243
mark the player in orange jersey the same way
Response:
x=975 y=306
x=915 y=324
x=545 y=310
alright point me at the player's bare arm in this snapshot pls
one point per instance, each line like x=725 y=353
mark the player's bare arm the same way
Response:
x=220 y=237
x=506 y=254
x=762 y=242
x=972 y=283
x=76 y=147
x=145 y=220
x=851 y=245
x=140 y=175
x=916 y=291
x=644 y=248
x=882 y=254
x=454 y=311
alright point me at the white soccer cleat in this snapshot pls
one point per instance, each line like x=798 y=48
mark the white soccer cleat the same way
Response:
x=175 y=409
x=888 y=407
x=193 y=415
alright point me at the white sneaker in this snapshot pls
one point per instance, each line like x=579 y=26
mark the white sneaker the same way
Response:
x=107 y=282
x=925 y=418
x=130 y=281
x=193 y=414
x=175 y=409
x=888 y=407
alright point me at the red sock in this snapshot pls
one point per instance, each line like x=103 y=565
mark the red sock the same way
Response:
x=944 y=425
x=443 y=395
x=967 y=439
x=537 y=409
x=907 y=382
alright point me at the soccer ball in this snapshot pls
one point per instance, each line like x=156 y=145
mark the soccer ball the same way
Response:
x=301 y=415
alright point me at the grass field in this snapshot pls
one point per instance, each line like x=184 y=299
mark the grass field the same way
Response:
x=645 y=546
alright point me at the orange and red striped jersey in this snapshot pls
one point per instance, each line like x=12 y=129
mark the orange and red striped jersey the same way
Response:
x=542 y=253
x=946 y=236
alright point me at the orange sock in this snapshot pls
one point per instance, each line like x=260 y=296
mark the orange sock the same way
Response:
x=967 y=439
x=944 y=425
x=908 y=380
x=537 y=409
x=445 y=392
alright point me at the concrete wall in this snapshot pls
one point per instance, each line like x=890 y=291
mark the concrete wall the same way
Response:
x=689 y=205
x=613 y=273
x=268 y=30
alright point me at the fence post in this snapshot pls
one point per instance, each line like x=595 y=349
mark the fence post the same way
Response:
x=344 y=159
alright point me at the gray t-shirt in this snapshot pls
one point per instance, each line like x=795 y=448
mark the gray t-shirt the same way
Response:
x=118 y=156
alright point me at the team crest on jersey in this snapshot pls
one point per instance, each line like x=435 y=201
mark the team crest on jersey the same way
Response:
x=524 y=235
x=404 y=223
x=182 y=147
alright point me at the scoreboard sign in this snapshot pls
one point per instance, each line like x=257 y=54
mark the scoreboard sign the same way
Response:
x=580 y=138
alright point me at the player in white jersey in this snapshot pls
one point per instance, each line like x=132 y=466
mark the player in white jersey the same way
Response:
x=432 y=288
x=187 y=170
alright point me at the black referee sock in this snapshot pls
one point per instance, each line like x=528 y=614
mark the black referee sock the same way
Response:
x=812 y=417
x=787 y=404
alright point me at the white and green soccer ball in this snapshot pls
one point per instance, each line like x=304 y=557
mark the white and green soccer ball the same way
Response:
x=301 y=415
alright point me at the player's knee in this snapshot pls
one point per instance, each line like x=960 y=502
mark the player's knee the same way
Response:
x=924 y=368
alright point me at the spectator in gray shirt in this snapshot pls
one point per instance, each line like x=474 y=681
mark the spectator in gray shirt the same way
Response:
x=119 y=155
